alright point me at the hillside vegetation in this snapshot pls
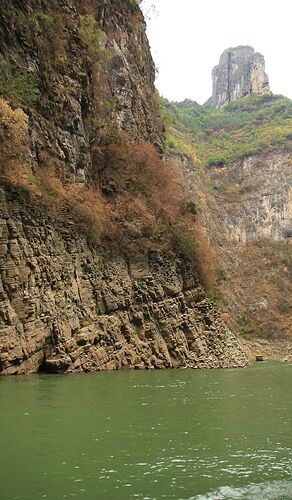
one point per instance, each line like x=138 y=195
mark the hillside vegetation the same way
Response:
x=242 y=128
x=253 y=286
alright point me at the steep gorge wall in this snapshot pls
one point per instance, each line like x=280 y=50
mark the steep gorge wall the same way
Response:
x=254 y=227
x=45 y=39
x=247 y=217
x=240 y=181
x=67 y=305
x=257 y=196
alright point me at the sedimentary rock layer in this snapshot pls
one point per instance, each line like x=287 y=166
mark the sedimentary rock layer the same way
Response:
x=66 y=307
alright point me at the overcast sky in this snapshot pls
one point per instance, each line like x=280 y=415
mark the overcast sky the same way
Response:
x=188 y=36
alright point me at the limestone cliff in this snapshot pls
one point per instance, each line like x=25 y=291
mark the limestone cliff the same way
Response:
x=239 y=171
x=241 y=72
x=83 y=72
x=86 y=59
x=67 y=307
x=258 y=197
x=247 y=217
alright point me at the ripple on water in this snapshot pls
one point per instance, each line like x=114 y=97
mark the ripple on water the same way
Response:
x=273 y=490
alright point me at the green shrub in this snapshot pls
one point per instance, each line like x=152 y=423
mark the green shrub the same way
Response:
x=47 y=22
x=17 y=86
x=247 y=325
x=93 y=37
x=242 y=128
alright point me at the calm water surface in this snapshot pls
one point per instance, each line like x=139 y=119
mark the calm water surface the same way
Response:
x=222 y=434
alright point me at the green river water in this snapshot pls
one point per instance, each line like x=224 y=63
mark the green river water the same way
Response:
x=187 y=434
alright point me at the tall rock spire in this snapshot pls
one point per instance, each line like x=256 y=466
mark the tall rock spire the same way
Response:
x=240 y=72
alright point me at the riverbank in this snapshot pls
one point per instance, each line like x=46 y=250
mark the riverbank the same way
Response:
x=271 y=350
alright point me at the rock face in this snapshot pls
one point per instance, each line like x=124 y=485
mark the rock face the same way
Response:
x=67 y=307
x=241 y=72
x=258 y=198
x=74 y=104
x=64 y=305
x=250 y=221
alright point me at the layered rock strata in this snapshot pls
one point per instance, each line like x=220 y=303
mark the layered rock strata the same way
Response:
x=66 y=307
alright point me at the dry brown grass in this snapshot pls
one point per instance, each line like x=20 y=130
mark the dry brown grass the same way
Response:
x=82 y=204
x=260 y=289
x=14 y=145
x=207 y=258
x=134 y=203
x=13 y=132
x=143 y=194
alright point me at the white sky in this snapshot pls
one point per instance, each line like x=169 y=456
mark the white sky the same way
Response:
x=188 y=36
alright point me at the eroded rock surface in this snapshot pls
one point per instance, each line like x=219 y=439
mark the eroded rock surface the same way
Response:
x=65 y=307
x=248 y=218
x=240 y=72
x=81 y=95
x=257 y=193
